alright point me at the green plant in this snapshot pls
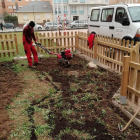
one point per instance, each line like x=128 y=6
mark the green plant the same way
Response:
x=52 y=91
x=100 y=121
x=41 y=130
x=88 y=74
x=75 y=98
x=73 y=89
x=58 y=105
x=67 y=130
x=103 y=112
x=98 y=72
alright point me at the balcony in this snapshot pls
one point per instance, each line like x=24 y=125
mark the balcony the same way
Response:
x=73 y=12
x=81 y=12
x=57 y=1
x=66 y=12
x=65 y=1
x=82 y=1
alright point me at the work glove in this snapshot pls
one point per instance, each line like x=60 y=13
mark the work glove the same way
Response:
x=36 y=42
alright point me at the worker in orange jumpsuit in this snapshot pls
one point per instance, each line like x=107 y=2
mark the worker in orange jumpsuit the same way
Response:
x=28 y=35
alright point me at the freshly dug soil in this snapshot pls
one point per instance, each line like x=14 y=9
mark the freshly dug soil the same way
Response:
x=82 y=111
x=10 y=86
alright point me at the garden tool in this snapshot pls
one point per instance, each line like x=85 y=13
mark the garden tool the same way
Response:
x=122 y=129
x=63 y=58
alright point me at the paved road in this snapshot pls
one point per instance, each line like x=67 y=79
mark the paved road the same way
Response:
x=21 y=29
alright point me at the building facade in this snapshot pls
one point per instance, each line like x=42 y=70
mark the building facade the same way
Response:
x=11 y=6
x=37 y=11
x=74 y=9
x=124 y=1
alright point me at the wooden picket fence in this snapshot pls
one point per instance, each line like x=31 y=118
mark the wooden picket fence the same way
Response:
x=109 y=51
x=56 y=42
x=9 y=46
x=121 y=56
x=133 y=86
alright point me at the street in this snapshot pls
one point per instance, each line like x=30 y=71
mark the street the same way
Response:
x=17 y=29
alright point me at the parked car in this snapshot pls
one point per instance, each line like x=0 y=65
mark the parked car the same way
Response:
x=78 y=23
x=37 y=26
x=52 y=25
x=67 y=22
x=8 y=25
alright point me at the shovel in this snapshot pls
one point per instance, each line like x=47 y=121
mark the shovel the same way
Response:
x=129 y=121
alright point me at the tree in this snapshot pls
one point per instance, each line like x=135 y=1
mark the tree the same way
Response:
x=9 y=18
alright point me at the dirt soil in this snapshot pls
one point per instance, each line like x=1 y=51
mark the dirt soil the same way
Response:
x=10 y=86
x=80 y=108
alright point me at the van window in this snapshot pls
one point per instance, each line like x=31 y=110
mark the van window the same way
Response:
x=95 y=15
x=107 y=15
x=120 y=13
x=134 y=13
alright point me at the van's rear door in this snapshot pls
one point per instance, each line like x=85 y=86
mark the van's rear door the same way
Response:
x=106 y=25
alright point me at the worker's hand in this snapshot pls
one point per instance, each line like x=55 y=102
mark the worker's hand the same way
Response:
x=36 y=42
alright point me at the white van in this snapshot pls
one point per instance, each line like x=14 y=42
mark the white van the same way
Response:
x=119 y=21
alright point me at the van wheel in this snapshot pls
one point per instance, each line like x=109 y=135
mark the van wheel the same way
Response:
x=39 y=28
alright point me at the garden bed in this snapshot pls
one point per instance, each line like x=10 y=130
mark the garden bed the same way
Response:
x=75 y=104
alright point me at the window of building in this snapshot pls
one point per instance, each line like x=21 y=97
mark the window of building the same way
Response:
x=25 y=17
x=65 y=8
x=48 y=15
x=107 y=15
x=73 y=8
x=37 y=17
x=136 y=0
x=19 y=0
x=9 y=7
x=95 y=15
x=14 y=7
x=74 y=0
x=20 y=7
x=9 y=0
x=26 y=0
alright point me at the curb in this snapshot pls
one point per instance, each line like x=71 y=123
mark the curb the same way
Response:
x=136 y=121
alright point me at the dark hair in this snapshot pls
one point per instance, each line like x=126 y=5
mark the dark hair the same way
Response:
x=32 y=24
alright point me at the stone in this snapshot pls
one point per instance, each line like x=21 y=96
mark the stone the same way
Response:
x=91 y=64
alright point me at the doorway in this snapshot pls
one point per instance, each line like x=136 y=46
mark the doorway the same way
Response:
x=75 y=18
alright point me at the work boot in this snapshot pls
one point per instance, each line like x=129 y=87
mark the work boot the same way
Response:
x=31 y=67
x=38 y=63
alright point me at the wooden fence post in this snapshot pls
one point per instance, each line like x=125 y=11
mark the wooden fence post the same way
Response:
x=95 y=50
x=76 y=42
x=125 y=77
x=16 y=43
x=38 y=51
